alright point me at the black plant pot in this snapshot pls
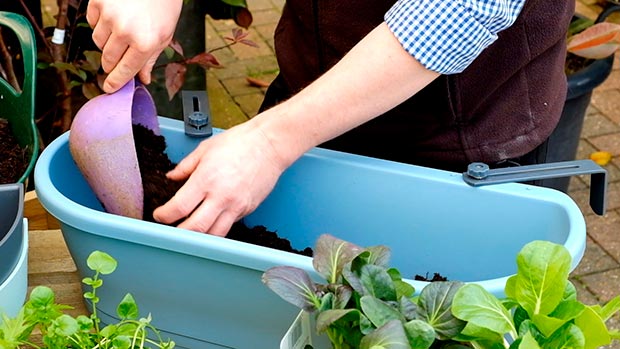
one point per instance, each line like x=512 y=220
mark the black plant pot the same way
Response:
x=564 y=140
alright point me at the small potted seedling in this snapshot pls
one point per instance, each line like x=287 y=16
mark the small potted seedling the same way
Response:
x=42 y=314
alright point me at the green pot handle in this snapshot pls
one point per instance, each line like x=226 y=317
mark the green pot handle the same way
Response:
x=18 y=108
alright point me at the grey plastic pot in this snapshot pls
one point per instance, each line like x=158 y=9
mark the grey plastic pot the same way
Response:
x=11 y=227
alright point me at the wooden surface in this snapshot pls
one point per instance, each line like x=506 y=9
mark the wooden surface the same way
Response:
x=49 y=261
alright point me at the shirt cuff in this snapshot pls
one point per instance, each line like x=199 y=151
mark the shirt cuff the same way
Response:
x=445 y=36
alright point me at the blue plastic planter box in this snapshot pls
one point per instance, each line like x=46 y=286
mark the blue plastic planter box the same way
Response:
x=206 y=291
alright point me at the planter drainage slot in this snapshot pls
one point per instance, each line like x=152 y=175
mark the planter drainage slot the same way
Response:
x=479 y=173
x=196 y=113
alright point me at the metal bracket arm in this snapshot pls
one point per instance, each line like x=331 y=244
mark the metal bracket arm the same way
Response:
x=479 y=174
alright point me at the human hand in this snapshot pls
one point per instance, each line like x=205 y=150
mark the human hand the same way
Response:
x=131 y=35
x=230 y=174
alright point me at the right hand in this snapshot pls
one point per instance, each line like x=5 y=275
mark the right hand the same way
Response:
x=131 y=34
x=228 y=176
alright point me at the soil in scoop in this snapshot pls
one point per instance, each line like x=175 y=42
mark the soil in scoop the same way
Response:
x=13 y=158
x=158 y=189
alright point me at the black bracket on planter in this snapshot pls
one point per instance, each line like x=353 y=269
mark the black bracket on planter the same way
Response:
x=196 y=113
x=479 y=174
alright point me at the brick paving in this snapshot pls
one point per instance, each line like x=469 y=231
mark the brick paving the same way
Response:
x=598 y=275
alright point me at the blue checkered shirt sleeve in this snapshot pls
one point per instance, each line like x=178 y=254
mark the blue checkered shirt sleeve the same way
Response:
x=447 y=35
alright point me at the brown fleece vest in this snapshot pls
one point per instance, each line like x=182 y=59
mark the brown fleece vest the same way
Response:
x=502 y=106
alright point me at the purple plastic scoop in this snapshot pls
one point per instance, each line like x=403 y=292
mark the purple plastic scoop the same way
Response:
x=102 y=144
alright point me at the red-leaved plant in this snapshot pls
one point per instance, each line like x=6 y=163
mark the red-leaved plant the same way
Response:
x=176 y=70
x=594 y=40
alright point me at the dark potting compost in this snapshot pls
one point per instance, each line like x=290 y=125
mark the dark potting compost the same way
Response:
x=13 y=158
x=154 y=163
x=435 y=277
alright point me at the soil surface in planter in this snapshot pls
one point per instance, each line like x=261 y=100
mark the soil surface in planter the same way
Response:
x=158 y=189
x=13 y=158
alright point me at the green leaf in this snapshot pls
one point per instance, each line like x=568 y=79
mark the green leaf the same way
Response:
x=342 y=296
x=474 y=332
x=593 y=328
x=528 y=326
x=330 y=256
x=510 y=288
x=41 y=296
x=378 y=311
x=90 y=90
x=519 y=315
x=377 y=282
x=570 y=292
x=389 y=336
x=293 y=285
x=14 y=330
x=542 y=274
x=610 y=308
x=127 y=308
x=408 y=308
x=85 y=323
x=578 y=25
x=566 y=311
x=93 y=60
x=528 y=342
x=109 y=330
x=379 y=255
x=101 y=262
x=328 y=317
x=434 y=306
x=122 y=342
x=420 y=334
x=567 y=337
x=547 y=324
x=476 y=305
x=327 y=302
x=89 y=295
x=74 y=83
x=403 y=289
x=62 y=66
x=65 y=325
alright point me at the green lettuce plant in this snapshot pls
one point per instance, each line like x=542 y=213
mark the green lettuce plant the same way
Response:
x=60 y=330
x=365 y=304
x=541 y=309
